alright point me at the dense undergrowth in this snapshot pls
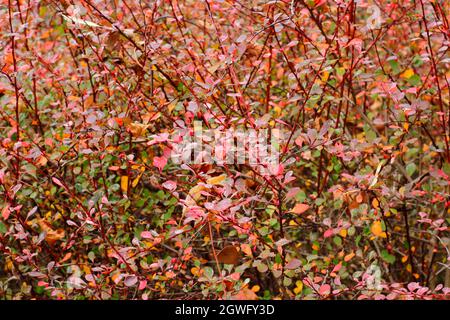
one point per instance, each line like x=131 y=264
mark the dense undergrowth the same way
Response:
x=94 y=207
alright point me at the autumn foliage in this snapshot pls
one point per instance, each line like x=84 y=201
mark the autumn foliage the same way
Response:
x=94 y=207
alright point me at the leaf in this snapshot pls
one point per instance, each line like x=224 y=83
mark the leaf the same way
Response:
x=80 y=21
x=325 y=289
x=137 y=129
x=229 y=255
x=51 y=236
x=446 y=168
x=216 y=180
x=170 y=185
x=300 y=208
x=337 y=240
x=124 y=184
x=395 y=66
x=160 y=163
x=415 y=80
x=146 y=235
x=136 y=180
x=328 y=233
x=411 y=168
x=370 y=135
x=293 y=264
x=245 y=294
x=6 y=212
x=389 y=258
x=377 y=229
x=3 y=228
x=58 y=182
x=349 y=257
x=246 y=249
x=142 y=284
x=407 y=74
x=298 y=287
x=130 y=281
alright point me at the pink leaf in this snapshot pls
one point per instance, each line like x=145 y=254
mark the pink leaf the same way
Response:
x=159 y=162
x=413 y=286
x=293 y=264
x=328 y=233
x=146 y=235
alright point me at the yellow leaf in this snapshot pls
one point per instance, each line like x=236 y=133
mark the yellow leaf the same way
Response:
x=151 y=116
x=216 y=180
x=343 y=233
x=406 y=126
x=377 y=229
x=124 y=183
x=300 y=208
x=195 y=271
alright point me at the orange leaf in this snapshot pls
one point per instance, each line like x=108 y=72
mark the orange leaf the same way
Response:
x=229 y=255
x=245 y=294
x=300 y=208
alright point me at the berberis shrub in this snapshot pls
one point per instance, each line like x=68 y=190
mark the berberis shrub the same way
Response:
x=221 y=149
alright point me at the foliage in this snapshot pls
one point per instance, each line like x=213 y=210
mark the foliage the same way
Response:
x=93 y=207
